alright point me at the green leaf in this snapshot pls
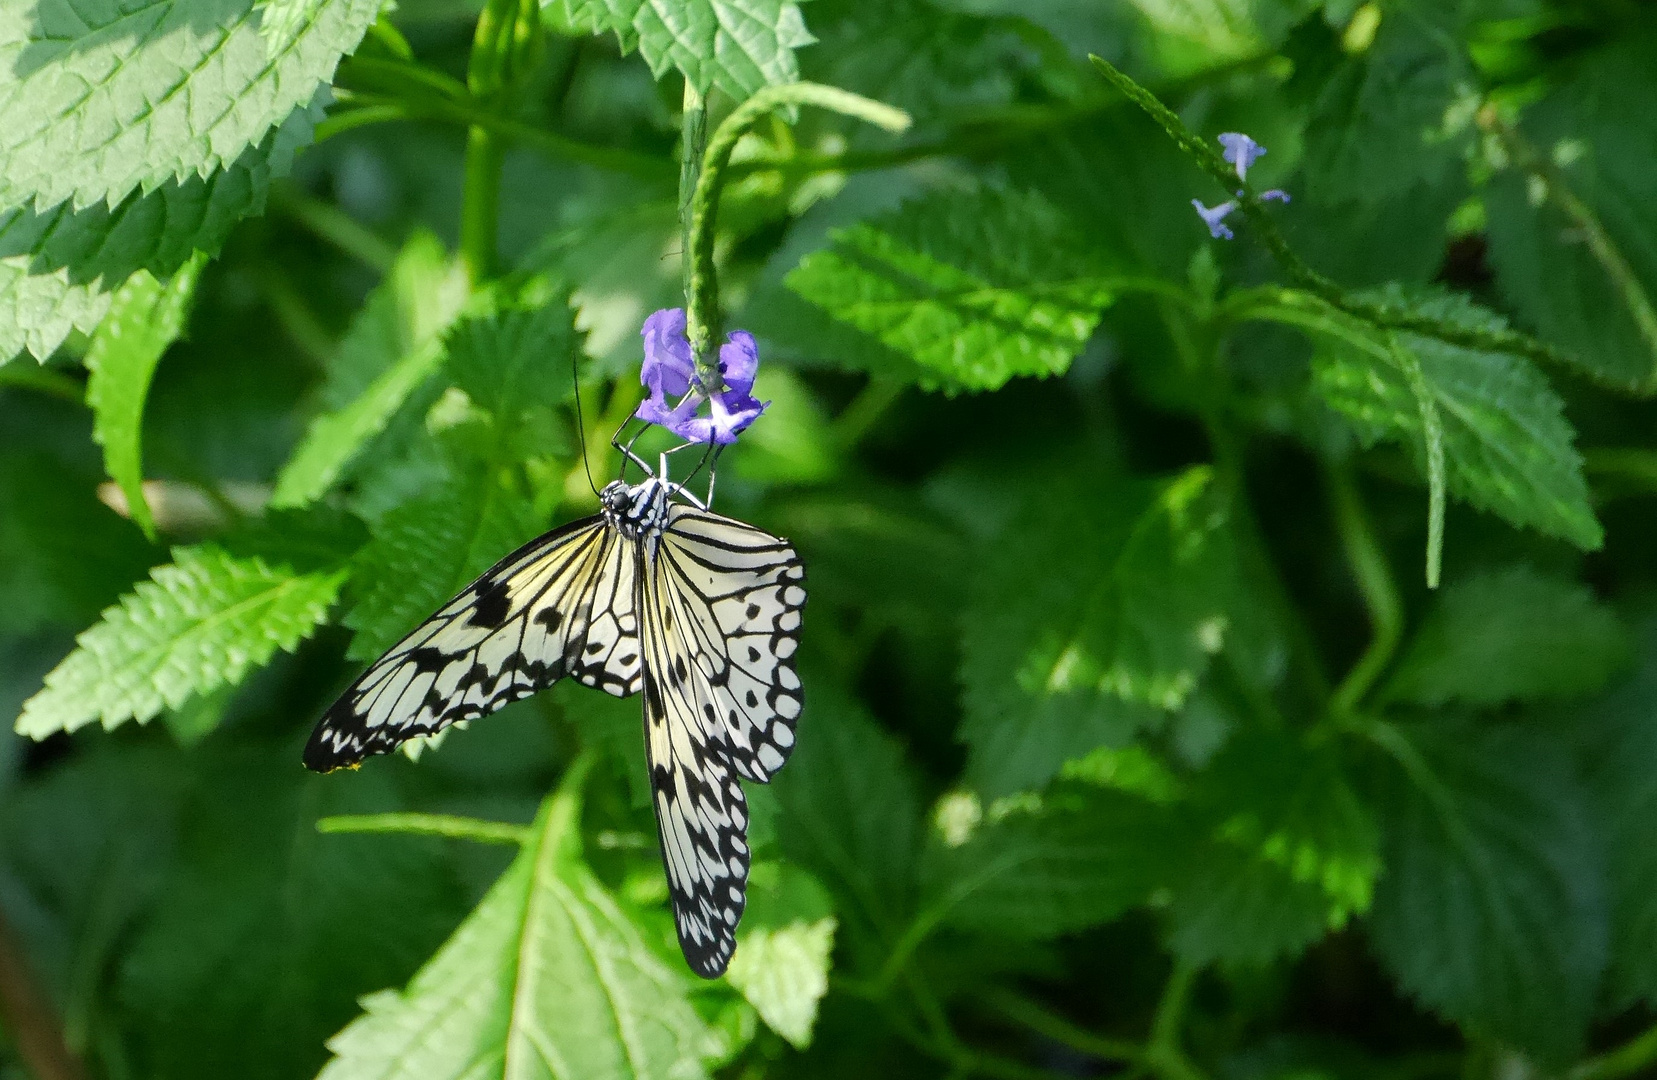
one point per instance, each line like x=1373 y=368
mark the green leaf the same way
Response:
x=206 y=620
x=1040 y=868
x=145 y=316
x=59 y=268
x=547 y=977
x=1492 y=910
x=64 y=556
x=976 y=289
x=1090 y=618
x=515 y=357
x=116 y=97
x=1507 y=444
x=1285 y=851
x=1619 y=735
x=850 y=812
x=268 y=931
x=1511 y=635
x=737 y=46
x=1598 y=133
x=933 y=64
x=424 y=551
x=391 y=350
x=1378 y=124
x=781 y=964
x=1195 y=34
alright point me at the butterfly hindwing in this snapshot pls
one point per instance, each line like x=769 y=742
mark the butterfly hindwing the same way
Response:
x=528 y=621
x=716 y=593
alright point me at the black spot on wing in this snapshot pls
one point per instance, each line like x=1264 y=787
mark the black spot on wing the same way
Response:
x=492 y=606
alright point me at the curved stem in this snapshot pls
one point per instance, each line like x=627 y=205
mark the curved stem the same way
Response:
x=1262 y=225
x=456 y=828
x=702 y=286
x=1380 y=593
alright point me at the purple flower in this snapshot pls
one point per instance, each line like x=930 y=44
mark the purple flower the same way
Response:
x=1215 y=218
x=1241 y=151
x=670 y=372
x=1275 y=193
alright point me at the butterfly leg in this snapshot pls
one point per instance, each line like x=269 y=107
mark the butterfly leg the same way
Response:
x=627 y=451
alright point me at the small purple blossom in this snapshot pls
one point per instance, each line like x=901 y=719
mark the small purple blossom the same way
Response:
x=1275 y=193
x=670 y=372
x=1241 y=151
x=1214 y=217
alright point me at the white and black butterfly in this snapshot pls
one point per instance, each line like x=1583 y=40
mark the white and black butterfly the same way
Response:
x=654 y=593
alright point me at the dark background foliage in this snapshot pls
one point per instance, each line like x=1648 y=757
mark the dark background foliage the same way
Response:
x=1225 y=659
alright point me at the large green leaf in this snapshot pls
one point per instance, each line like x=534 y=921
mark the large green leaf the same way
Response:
x=850 y=811
x=1041 y=868
x=1619 y=737
x=1598 y=133
x=737 y=46
x=59 y=267
x=204 y=621
x=144 y=318
x=1284 y=850
x=1507 y=445
x=1089 y=619
x=975 y=288
x=64 y=556
x=546 y=978
x=267 y=932
x=424 y=551
x=1492 y=911
x=1378 y=122
x=109 y=97
x=1511 y=635
x=391 y=350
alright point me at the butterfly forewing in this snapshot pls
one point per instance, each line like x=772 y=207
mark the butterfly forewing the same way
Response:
x=523 y=624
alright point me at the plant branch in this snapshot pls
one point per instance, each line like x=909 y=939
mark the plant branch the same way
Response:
x=702 y=301
x=1375 y=584
x=449 y=825
x=1377 y=313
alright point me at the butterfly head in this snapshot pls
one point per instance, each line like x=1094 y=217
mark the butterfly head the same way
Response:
x=636 y=510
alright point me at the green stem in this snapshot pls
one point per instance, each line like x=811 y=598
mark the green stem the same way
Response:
x=863 y=411
x=1599 y=242
x=459 y=828
x=334 y=225
x=1264 y=227
x=26 y=374
x=702 y=299
x=1626 y=1060
x=1375 y=583
x=1050 y=1025
x=480 y=204
x=1163 y=1054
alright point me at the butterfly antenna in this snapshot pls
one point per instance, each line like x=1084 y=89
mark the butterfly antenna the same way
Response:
x=580 y=424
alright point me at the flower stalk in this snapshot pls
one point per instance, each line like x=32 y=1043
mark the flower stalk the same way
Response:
x=701 y=282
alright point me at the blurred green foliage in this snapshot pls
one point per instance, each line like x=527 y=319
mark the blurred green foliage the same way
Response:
x=1226 y=660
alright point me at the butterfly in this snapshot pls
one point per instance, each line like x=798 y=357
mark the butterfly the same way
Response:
x=654 y=595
